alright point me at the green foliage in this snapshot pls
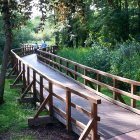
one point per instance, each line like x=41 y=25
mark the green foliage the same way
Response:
x=125 y=60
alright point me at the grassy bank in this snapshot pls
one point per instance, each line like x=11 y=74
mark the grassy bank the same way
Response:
x=12 y=115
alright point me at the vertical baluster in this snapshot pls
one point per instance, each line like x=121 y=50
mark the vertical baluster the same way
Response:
x=41 y=89
x=51 y=99
x=75 y=69
x=85 y=73
x=67 y=65
x=98 y=79
x=54 y=61
x=115 y=86
x=34 y=86
x=68 y=110
x=28 y=75
x=24 y=78
x=133 y=91
x=60 y=64
x=20 y=69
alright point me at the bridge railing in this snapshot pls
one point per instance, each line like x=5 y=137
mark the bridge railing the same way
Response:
x=97 y=81
x=31 y=77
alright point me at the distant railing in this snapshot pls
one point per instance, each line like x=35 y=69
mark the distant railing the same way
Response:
x=31 y=76
x=78 y=71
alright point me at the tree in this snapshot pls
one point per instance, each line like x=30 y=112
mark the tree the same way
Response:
x=9 y=11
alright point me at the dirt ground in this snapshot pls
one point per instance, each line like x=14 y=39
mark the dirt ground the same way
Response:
x=55 y=131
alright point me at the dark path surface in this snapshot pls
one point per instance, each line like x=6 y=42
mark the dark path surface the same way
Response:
x=115 y=120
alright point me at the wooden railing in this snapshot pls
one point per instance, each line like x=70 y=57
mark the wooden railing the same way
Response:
x=96 y=83
x=31 y=77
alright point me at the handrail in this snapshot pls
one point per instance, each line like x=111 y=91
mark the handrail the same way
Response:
x=97 y=71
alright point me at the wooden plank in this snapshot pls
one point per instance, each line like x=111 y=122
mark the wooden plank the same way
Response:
x=41 y=121
x=68 y=110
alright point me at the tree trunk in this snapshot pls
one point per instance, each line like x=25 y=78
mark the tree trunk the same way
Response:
x=139 y=15
x=8 y=41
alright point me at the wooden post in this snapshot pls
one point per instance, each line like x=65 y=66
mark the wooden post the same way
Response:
x=115 y=86
x=51 y=99
x=24 y=78
x=98 y=79
x=75 y=69
x=94 y=130
x=85 y=73
x=68 y=110
x=41 y=89
x=67 y=65
x=28 y=75
x=34 y=86
x=133 y=91
x=60 y=64
x=54 y=61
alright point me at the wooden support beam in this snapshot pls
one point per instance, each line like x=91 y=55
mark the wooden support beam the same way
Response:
x=17 y=78
x=42 y=106
x=12 y=70
x=11 y=77
x=16 y=86
x=86 y=131
x=27 y=89
x=41 y=121
x=25 y=100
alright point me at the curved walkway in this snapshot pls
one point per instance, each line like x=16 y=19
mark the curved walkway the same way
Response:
x=115 y=120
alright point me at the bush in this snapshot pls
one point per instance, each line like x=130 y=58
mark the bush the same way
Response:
x=125 y=61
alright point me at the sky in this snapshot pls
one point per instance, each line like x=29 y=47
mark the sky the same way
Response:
x=35 y=11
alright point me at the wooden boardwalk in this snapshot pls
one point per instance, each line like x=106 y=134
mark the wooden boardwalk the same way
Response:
x=115 y=120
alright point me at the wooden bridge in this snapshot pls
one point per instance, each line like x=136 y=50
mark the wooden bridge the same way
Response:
x=81 y=106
